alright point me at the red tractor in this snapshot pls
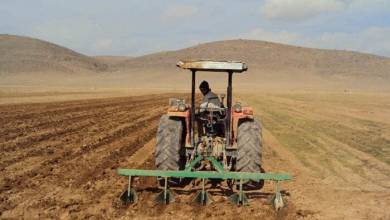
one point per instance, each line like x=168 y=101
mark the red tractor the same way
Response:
x=230 y=134
x=216 y=142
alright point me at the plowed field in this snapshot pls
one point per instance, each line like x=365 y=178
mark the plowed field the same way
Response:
x=59 y=160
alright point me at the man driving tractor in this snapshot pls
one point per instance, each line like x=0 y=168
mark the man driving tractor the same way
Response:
x=210 y=99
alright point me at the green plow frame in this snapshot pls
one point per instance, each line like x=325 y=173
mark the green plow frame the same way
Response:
x=202 y=196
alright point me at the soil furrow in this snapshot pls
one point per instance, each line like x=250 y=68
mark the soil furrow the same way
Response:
x=46 y=168
x=9 y=133
x=73 y=131
x=48 y=115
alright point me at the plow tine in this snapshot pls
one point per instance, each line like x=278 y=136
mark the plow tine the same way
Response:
x=239 y=198
x=169 y=198
x=165 y=197
x=202 y=196
x=129 y=196
x=277 y=199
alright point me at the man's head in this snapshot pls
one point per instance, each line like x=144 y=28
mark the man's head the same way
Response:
x=204 y=87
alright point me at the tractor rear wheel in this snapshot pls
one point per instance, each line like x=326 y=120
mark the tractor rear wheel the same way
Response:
x=249 y=144
x=170 y=141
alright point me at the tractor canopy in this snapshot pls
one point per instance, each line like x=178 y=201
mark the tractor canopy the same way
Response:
x=213 y=66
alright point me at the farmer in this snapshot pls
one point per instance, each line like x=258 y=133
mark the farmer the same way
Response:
x=210 y=99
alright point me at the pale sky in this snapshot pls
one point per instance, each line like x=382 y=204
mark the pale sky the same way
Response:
x=135 y=27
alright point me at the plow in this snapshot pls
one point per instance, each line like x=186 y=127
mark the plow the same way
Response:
x=214 y=143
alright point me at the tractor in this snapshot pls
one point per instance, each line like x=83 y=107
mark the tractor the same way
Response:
x=211 y=142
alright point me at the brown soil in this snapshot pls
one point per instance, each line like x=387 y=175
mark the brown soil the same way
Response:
x=59 y=160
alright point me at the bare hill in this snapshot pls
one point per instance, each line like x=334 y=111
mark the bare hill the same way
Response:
x=261 y=55
x=23 y=54
x=272 y=63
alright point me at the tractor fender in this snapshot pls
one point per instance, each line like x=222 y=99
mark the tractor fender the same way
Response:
x=186 y=117
x=245 y=114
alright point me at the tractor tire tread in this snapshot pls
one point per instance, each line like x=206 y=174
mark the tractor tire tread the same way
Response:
x=169 y=143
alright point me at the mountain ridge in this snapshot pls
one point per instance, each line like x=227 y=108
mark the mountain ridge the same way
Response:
x=270 y=64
